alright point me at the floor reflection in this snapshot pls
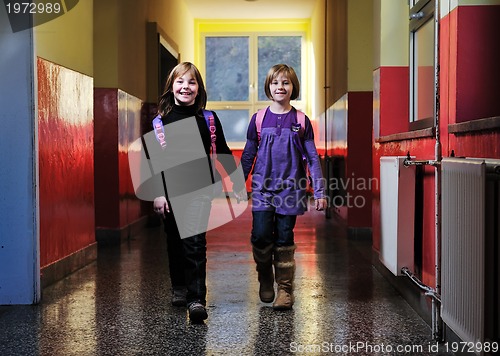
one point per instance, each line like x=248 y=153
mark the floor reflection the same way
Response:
x=120 y=305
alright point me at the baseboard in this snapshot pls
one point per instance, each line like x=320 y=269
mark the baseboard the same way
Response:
x=111 y=237
x=67 y=265
x=359 y=233
x=413 y=295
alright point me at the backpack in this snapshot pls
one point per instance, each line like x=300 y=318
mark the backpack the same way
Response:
x=301 y=119
x=209 y=118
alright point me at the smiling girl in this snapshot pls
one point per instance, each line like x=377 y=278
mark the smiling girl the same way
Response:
x=278 y=184
x=185 y=98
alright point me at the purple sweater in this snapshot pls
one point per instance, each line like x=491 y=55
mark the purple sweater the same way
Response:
x=279 y=178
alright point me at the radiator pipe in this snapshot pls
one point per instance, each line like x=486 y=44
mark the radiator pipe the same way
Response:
x=437 y=324
x=328 y=213
x=409 y=162
x=430 y=292
x=492 y=168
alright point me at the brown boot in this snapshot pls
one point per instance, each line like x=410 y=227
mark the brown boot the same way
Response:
x=263 y=259
x=284 y=267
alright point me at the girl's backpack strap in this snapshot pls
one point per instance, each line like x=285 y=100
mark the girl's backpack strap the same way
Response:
x=301 y=119
x=258 y=121
x=209 y=118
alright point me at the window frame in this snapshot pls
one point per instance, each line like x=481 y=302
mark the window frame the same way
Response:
x=254 y=104
x=420 y=13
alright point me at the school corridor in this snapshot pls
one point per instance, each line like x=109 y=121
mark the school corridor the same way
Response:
x=120 y=304
x=403 y=101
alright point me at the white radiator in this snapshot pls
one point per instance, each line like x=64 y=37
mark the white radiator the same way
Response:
x=397 y=214
x=463 y=247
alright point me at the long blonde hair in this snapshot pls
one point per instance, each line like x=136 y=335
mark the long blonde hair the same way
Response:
x=166 y=102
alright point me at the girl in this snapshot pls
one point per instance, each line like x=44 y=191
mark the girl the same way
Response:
x=278 y=184
x=185 y=98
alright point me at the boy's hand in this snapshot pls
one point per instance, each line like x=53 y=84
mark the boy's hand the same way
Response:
x=321 y=204
x=160 y=206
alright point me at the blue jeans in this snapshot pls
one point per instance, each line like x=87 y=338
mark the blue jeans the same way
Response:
x=268 y=228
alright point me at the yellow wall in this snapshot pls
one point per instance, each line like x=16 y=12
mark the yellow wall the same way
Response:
x=67 y=40
x=360 y=45
x=337 y=50
x=176 y=21
x=120 y=51
x=318 y=60
x=120 y=45
x=391 y=33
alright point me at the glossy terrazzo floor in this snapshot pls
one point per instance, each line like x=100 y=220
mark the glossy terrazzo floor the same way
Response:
x=120 y=304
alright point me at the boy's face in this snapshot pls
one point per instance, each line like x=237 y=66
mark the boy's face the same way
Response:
x=281 y=89
x=185 y=89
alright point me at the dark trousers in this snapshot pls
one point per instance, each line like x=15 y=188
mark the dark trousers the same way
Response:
x=268 y=228
x=187 y=256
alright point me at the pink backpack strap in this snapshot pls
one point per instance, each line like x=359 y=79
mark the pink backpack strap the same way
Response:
x=258 y=121
x=209 y=118
x=301 y=119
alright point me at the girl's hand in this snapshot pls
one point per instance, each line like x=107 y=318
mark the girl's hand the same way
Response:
x=241 y=195
x=160 y=206
x=321 y=204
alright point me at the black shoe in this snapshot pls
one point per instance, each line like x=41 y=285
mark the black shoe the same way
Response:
x=197 y=312
x=179 y=297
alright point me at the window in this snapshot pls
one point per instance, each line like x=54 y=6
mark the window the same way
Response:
x=235 y=70
x=422 y=43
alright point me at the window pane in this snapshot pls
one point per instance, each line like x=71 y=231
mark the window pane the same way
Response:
x=274 y=50
x=424 y=72
x=234 y=123
x=227 y=63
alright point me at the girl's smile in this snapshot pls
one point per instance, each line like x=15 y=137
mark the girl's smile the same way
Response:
x=281 y=89
x=185 y=89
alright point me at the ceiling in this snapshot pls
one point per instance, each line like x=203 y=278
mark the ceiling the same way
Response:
x=251 y=9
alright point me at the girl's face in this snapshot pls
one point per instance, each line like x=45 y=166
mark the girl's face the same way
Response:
x=185 y=89
x=281 y=89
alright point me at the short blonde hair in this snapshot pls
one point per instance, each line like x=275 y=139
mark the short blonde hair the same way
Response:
x=288 y=72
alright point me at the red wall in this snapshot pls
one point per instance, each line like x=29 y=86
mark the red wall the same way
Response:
x=358 y=167
x=476 y=56
x=469 y=77
x=66 y=161
x=117 y=124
